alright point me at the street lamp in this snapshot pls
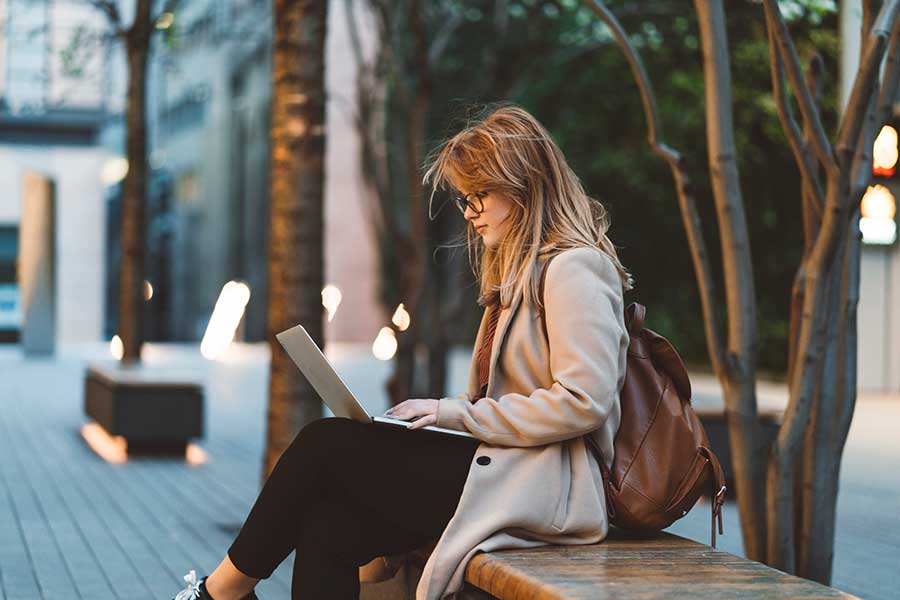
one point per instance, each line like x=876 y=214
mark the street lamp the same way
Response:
x=877 y=216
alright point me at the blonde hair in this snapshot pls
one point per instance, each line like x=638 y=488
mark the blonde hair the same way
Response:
x=509 y=151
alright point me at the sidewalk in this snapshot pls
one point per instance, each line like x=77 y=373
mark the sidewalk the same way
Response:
x=75 y=526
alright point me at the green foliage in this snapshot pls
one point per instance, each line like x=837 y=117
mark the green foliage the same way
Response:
x=558 y=61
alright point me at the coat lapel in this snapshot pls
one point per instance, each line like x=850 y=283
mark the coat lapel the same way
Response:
x=506 y=317
x=503 y=323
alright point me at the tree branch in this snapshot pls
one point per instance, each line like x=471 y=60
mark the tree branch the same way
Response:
x=891 y=77
x=864 y=83
x=687 y=204
x=443 y=36
x=789 y=124
x=811 y=117
x=110 y=9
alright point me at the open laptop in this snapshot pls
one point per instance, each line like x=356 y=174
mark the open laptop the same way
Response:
x=328 y=384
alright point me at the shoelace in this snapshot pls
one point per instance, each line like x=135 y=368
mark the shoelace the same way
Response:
x=192 y=591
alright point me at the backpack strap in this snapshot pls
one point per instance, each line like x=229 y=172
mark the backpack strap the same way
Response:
x=634 y=317
x=717 y=491
x=541 y=296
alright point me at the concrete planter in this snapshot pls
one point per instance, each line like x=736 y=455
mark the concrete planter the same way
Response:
x=154 y=413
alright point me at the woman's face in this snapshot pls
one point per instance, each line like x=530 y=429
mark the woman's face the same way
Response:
x=493 y=222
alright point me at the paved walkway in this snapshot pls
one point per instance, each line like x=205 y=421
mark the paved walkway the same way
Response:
x=74 y=526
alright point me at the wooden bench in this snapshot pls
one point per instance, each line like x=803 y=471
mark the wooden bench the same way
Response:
x=622 y=566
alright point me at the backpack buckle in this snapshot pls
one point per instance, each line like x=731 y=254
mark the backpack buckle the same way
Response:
x=720 y=493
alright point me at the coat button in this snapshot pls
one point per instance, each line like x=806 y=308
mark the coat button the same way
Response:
x=483 y=460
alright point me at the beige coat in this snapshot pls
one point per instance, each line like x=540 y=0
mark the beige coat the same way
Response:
x=541 y=485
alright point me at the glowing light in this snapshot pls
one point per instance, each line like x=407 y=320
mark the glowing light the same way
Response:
x=877 y=216
x=331 y=299
x=114 y=170
x=195 y=455
x=884 y=152
x=165 y=20
x=112 y=449
x=401 y=318
x=148 y=290
x=116 y=348
x=226 y=316
x=385 y=345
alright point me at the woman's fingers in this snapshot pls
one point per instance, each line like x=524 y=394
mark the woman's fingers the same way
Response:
x=423 y=422
x=414 y=407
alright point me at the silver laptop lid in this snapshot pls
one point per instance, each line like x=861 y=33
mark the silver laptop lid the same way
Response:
x=321 y=374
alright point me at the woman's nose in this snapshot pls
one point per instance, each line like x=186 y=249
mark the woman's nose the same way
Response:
x=469 y=214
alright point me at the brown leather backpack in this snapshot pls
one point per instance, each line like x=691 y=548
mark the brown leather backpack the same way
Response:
x=661 y=461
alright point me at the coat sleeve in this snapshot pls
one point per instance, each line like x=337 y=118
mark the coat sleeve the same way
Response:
x=584 y=320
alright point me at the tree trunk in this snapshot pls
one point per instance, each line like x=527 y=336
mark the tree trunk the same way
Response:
x=134 y=186
x=296 y=214
x=415 y=99
x=738 y=375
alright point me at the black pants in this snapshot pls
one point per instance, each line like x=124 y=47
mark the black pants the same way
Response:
x=344 y=493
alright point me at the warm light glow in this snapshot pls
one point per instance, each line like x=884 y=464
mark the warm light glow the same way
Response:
x=148 y=290
x=884 y=152
x=225 y=319
x=385 y=345
x=195 y=455
x=116 y=348
x=878 y=203
x=877 y=216
x=114 y=170
x=112 y=449
x=401 y=318
x=331 y=299
x=165 y=20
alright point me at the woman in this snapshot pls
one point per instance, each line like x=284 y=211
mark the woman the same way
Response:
x=347 y=495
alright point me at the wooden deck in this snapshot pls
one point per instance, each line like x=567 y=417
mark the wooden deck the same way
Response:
x=73 y=526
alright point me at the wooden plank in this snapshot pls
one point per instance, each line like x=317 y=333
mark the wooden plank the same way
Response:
x=16 y=573
x=93 y=474
x=49 y=567
x=47 y=483
x=109 y=559
x=666 y=566
x=203 y=519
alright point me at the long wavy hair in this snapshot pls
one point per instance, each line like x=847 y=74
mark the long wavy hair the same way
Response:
x=507 y=150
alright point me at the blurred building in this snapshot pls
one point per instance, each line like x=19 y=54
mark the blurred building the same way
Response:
x=209 y=90
x=878 y=313
x=211 y=94
x=51 y=122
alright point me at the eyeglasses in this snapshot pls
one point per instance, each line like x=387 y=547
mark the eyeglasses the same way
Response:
x=476 y=204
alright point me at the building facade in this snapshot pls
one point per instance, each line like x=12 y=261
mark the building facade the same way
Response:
x=209 y=93
x=52 y=116
x=878 y=312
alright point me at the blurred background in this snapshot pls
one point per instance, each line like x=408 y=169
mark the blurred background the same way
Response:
x=63 y=86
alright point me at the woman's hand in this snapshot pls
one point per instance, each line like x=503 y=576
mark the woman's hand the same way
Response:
x=424 y=408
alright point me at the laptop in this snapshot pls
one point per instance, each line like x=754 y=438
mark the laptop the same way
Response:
x=328 y=384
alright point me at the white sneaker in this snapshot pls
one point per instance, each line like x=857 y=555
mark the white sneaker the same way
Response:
x=195 y=590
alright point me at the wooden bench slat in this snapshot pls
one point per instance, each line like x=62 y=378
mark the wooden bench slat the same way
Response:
x=665 y=566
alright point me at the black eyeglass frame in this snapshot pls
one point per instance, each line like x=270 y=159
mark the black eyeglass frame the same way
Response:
x=463 y=202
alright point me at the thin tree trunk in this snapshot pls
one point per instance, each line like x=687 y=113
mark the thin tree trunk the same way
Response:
x=416 y=99
x=134 y=187
x=817 y=457
x=296 y=219
x=820 y=552
x=738 y=378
